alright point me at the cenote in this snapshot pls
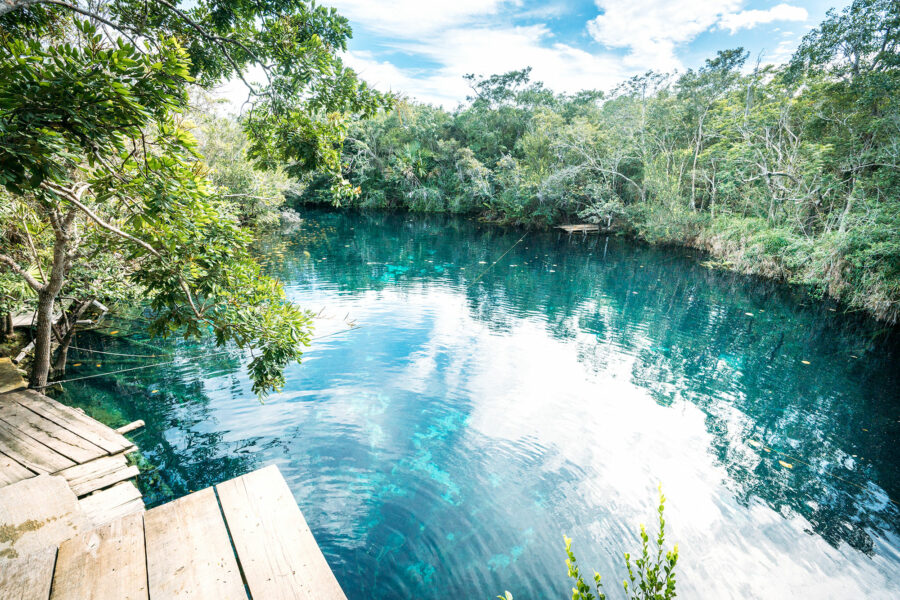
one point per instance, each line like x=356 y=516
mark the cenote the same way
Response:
x=478 y=413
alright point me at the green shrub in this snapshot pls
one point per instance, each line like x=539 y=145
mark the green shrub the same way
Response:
x=650 y=577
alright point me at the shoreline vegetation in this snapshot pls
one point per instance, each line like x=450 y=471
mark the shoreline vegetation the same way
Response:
x=791 y=171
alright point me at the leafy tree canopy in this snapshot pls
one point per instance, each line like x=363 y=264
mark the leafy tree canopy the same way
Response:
x=97 y=160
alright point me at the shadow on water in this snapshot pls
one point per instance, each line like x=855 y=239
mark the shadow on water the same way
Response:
x=444 y=447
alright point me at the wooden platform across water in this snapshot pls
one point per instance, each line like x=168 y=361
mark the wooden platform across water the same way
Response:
x=580 y=228
x=73 y=527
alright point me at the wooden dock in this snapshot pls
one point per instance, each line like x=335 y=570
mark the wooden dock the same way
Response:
x=246 y=539
x=40 y=436
x=73 y=527
x=580 y=228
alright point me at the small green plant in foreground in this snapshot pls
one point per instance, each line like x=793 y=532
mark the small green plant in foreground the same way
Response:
x=650 y=577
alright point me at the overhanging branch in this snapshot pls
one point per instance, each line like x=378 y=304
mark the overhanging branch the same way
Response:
x=74 y=197
x=12 y=264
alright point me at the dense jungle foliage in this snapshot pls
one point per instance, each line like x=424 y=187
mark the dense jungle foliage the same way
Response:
x=788 y=171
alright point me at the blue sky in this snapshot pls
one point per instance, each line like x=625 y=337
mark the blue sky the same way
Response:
x=422 y=48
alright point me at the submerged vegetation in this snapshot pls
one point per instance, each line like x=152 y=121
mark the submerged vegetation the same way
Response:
x=789 y=171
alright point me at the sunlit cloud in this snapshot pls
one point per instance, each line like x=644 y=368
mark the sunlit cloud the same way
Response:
x=652 y=30
x=422 y=49
x=414 y=18
x=747 y=19
x=484 y=51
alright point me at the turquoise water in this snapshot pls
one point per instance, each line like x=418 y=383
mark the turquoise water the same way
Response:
x=443 y=448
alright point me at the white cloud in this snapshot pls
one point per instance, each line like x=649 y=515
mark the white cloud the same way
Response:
x=455 y=37
x=432 y=86
x=485 y=51
x=748 y=19
x=652 y=30
x=413 y=18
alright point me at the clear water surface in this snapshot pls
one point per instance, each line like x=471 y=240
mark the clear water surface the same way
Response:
x=443 y=448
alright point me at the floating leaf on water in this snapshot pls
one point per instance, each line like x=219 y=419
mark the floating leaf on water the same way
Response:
x=805 y=362
x=786 y=465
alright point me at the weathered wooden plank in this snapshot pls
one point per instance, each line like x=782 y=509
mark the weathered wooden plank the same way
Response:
x=24 y=352
x=37 y=513
x=107 y=563
x=107 y=505
x=30 y=453
x=580 y=228
x=275 y=548
x=98 y=474
x=45 y=431
x=29 y=319
x=28 y=577
x=23 y=319
x=189 y=554
x=94 y=431
x=130 y=427
x=94 y=468
x=11 y=471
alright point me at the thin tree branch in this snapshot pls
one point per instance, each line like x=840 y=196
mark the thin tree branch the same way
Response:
x=32 y=282
x=34 y=253
x=218 y=40
x=73 y=198
x=90 y=15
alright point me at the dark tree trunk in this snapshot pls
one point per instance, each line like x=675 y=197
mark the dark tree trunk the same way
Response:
x=43 y=342
x=6 y=327
x=68 y=334
x=62 y=355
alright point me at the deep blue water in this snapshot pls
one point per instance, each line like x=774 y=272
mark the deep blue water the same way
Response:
x=443 y=448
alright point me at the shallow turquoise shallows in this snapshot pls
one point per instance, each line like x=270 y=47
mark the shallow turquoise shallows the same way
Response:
x=478 y=413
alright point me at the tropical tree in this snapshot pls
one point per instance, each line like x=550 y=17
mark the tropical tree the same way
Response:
x=94 y=147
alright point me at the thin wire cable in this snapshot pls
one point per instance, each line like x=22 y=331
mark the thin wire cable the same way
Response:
x=493 y=264
x=803 y=462
x=116 y=353
x=159 y=364
x=167 y=362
